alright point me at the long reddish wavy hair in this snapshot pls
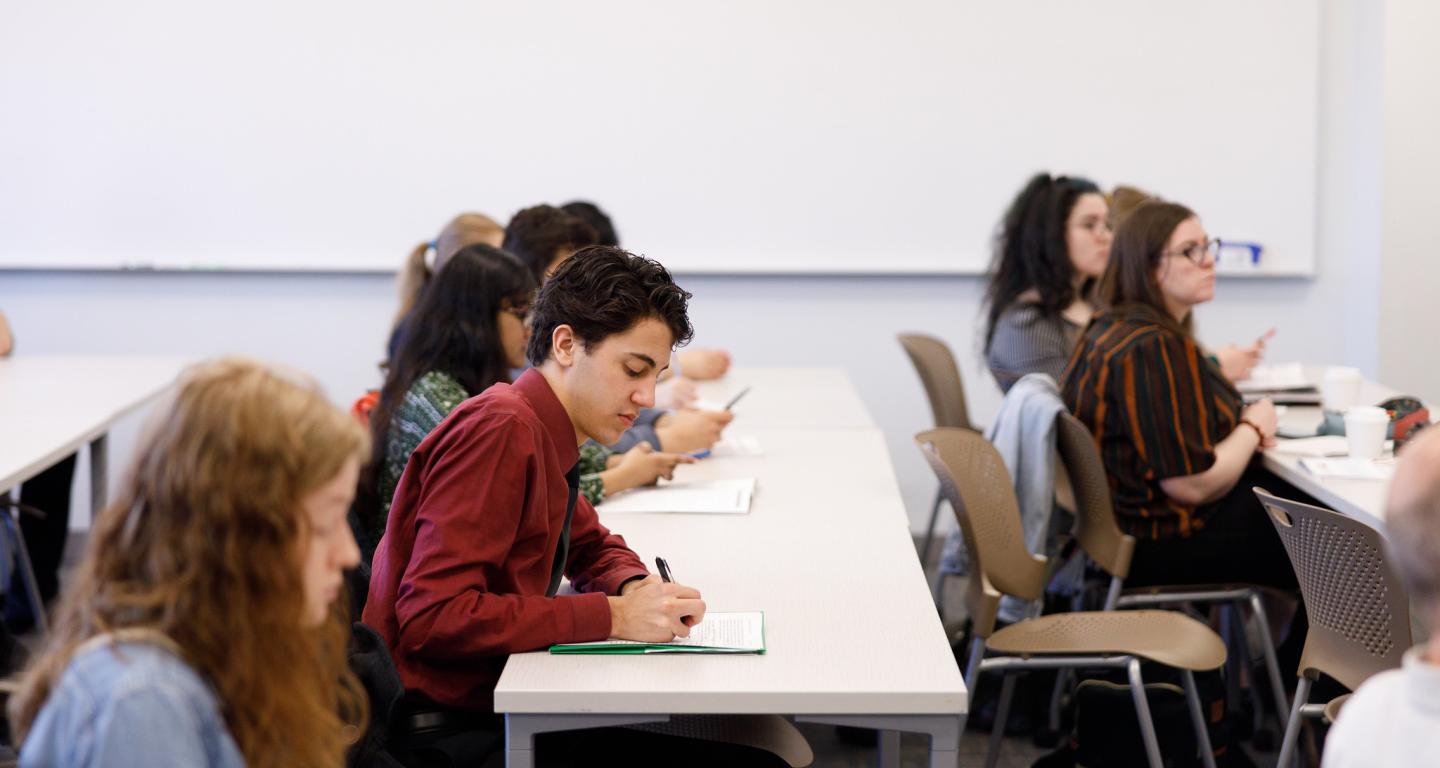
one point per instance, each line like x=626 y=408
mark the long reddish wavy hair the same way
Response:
x=204 y=545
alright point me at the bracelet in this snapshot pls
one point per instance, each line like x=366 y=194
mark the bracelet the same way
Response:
x=1248 y=423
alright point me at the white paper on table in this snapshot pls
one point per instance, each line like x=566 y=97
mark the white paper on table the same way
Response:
x=1350 y=469
x=1316 y=447
x=738 y=445
x=1275 y=378
x=704 y=404
x=716 y=497
x=740 y=631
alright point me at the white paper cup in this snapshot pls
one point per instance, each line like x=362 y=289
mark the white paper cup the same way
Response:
x=1365 y=428
x=1340 y=389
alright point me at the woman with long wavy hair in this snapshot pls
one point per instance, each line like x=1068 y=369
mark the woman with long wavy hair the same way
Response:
x=202 y=627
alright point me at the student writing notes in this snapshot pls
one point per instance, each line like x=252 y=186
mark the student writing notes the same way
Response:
x=488 y=516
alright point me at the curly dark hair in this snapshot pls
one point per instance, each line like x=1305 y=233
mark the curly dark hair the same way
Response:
x=1030 y=250
x=602 y=291
x=536 y=233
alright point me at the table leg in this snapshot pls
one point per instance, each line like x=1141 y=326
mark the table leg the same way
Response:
x=521 y=728
x=99 y=476
x=889 y=749
x=944 y=732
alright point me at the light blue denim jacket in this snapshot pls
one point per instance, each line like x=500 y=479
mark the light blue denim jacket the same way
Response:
x=128 y=705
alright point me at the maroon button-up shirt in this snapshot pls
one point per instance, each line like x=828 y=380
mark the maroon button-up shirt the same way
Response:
x=460 y=576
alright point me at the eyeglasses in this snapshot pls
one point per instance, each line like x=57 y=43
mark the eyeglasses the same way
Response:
x=1199 y=253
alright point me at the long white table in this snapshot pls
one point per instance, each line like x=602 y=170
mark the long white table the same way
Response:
x=51 y=406
x=853 y=637
x=779 y=398
x=1361 y=499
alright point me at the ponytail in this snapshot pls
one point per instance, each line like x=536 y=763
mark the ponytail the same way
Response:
x=411 y=279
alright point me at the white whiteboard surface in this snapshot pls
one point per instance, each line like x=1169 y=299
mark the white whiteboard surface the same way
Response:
x=753 y=136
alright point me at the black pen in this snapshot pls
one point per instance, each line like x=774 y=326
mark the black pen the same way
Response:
x=667 y=578
x=736 y=398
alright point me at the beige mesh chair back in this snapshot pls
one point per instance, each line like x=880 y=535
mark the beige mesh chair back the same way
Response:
x=1358 y=609
x=1101 y=538
x=973 y=477
x=1095 y=526
x=941 y=378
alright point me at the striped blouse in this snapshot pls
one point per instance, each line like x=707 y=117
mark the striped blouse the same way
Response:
x=1157 y=406
x=1027 y=340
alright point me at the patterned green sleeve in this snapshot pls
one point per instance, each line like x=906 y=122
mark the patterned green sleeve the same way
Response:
x=592 y=463
x=430 y=399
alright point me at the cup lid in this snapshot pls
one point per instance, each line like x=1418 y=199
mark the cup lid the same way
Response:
x=1367 y=413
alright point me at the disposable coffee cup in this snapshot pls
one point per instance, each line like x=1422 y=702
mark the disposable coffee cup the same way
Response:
x=1365 y=427
x=1340 y=389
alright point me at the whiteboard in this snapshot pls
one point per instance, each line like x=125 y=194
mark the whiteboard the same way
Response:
x=751 y=136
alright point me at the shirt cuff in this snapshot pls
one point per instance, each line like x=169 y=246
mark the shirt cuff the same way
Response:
x=589 y=617
x=611 y=582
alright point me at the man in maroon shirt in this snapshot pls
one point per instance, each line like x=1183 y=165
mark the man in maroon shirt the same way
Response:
x=487 y=517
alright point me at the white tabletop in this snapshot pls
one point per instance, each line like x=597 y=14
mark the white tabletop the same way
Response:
x=825 y=552
x=1362 y=499
x=779 y=398
x=51 y=406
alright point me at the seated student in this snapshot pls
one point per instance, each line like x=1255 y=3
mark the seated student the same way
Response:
x=1235 y=361
x=488 y=515
x=696 y=364
x=1124 y=199
x=466 y=333
x=598 y=220
x=543 y=237
x=1394 y=719
x=202 y=628
x=426 y=259
x=1052 y=246
x=1179 y=445
x=45 y=537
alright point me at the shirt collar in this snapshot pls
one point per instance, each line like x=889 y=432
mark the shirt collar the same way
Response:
x=536 y=391
x=1422 y=680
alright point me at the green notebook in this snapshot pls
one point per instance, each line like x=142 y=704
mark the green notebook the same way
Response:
x=740 y=632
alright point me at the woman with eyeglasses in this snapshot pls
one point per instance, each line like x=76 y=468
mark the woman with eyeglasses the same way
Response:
x=1236 y=361
x=1052 y=245
x=1178 y=442
x=466 y=332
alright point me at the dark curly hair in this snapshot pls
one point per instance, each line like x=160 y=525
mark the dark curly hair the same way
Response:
x=602 y=291
x=536 y=233
x=1030 y=250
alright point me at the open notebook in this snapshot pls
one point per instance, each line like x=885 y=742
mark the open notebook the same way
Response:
x=739 y=632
